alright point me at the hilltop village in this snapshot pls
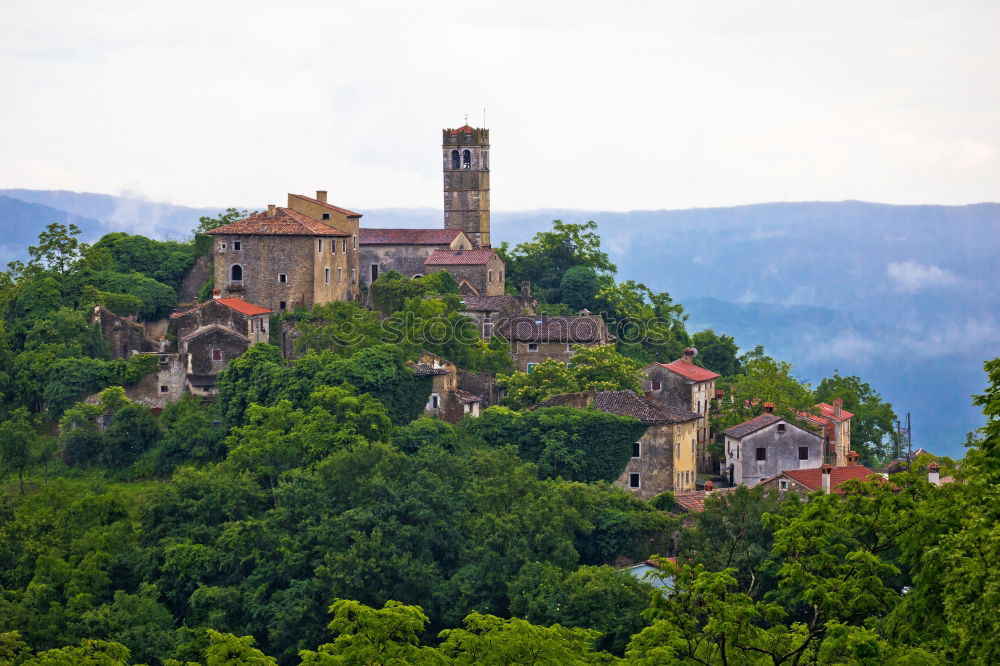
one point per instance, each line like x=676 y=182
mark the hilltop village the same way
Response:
x=460 y=451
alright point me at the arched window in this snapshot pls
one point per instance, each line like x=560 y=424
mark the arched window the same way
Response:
x=454 y=159
x=236 y=273
x=467 y=159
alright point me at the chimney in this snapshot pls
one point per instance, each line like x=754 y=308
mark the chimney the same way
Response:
x=321 y=196
x=196 y=301
x=709 y=486
x=769 y=407
x=838 y=407
x=584 y=312
x=825 y=470
x=689 y=354
x=526 y=289
x=270 y=210
x=216 y=293
x=933 y=476
x=852 y=458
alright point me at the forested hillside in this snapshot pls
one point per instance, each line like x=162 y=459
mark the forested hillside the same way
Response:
x=309 y=514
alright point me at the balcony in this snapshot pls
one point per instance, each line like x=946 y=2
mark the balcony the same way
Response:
x=235 y=285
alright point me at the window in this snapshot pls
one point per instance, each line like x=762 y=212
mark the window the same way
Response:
x=699 y=407
x=466 y=159
x=164 y=388
x=434 y=400
x=531 y=367
x=340 y=275
x=417 y=275
x=354 y=242
x=282 y=278
x=281 y=305
x=374 y=272
x=633 y=480
x=343 y=245
x=486 y=159
x=636 y=449
x=236 y=273
x=454 y=159
x=657 y=385
x=326 y=216
x=326 y=276
x=319 y=246
x=532 y=346
x=237 y=246
x=692 y=447
x=803 y=453
x=354 y=275
x=781 y=428
x=216 y=354
x=222 y=246
x=782 y=485
x=678 y=451
x=761 y=453
x=489 y=276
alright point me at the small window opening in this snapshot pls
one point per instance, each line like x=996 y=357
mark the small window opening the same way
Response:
x=281 y=305
x=657 y=385
x=216 y=354
x=340 y=275
x=237 y=245
x=467 y=159
x=374 y=272
x=164 y=388
x=326 y=276
x=236 y=273
x=761 y=453
x=633 y=480
x=326 y=216
x=781 y=428
x=531 y=367
x=803 y=453
x=532 y=346
x=636 y=449
x=282 y=278
x=454 y=159
x=319 y=245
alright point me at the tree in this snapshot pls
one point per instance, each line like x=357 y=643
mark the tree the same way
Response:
x=874 y=421
x=17 y=436
x=718 y=353
x=133 y=431
x=253 y=377
x=648 y=325
x=164 y=261
x=207 y=223
x=763 y=380
x=579 y=286
x=58 y=248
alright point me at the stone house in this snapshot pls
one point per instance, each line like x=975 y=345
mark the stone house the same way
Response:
x=488 y=311
x=536 y=338
x=835 y=422
x=827 y=478
x=446 y=401
x=405 y=250
x=478 y=272
x=124 y=336
x=683 y=384
x=766 y=445
x=301 y=255
x=252 y=321
x=664 y=456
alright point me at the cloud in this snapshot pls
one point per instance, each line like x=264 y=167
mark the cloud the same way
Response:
x=912 y=276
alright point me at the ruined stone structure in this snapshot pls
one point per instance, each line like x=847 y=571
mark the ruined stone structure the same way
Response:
x=478 y=272
x=664 y=456
x=466 y=165
x=302 y=255
x=533 y=339
x=488 y=311
x=683 y=384
x=123 y=335
x=446 y=401
x=766 y=445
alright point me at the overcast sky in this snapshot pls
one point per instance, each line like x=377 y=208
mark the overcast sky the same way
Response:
x=597 y=105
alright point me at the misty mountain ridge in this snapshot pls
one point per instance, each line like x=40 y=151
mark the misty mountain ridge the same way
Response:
x=902 y=296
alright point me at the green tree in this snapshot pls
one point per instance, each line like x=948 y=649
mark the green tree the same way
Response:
x=17 y=438
x=648 y=325
x=206 y=223
x=763 y=380
x=716 y=352
x=874 y=422
x=579 y=287
x=133 y=431
x=164 y=261
x=58 y=248
x=253 y=377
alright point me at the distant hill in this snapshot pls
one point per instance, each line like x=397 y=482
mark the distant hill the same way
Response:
x=903 y=296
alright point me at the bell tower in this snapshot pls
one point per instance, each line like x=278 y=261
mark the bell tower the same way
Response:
x=466 y=154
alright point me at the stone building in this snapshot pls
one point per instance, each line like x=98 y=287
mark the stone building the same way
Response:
x=664 y=456
x=533 y=339
x=478 y=272
x=835 y=422
x=123 y=335
x=767 y=445
x=683 y=384
x=827 y=478
x=466 y=165
x=405 y=250
x=488 y=311
x=299 y=256
x=447 y=401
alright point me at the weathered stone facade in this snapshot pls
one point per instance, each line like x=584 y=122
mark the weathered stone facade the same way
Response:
x=478 y=272
x=229 y=313
x=299 y=256
x=488 y=311
x=533 y=339
x=164 y=386
x=405 y=250
x=465 y=162
x=446 y=401
x=835 y=424
x=211 y=348
x=664 y=456
x=767 y=445
x=124 y=336
x=686 y=385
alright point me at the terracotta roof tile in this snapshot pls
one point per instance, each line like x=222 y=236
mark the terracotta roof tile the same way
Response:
x=689 y=370
x=348 y=213
x=408 y=236
x=284 y=222
x=426 y=370
x=541 y=328
x=753 y=425
x=243 y=307
x=812 y=478
x=694 y=500
x=465 y=396
x=460 y=257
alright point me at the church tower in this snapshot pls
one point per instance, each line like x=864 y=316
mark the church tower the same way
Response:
x=467 y=182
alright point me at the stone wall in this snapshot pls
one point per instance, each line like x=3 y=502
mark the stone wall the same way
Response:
x=123 y=335
x=487 y=279
x=263 y=259
x=666 y=461
x=483 y=384
x=166 y=385
x=198 y=275
x=782 y=452
x=201 y=346
x=559 y=351
x=678 y=391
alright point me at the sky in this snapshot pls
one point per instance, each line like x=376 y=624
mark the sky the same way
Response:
x=590 y=105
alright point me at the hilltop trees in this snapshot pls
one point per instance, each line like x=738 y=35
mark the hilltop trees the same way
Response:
x=874 y=421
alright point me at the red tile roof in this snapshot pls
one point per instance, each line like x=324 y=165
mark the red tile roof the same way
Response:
x=689 y=370
x=694 y=500
x=408 y=236
x=828 y=412
x=243 y=307
x=460 y=257
x=464 y=128
x=284 y=222
x=812 y=478
x=348 y=213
